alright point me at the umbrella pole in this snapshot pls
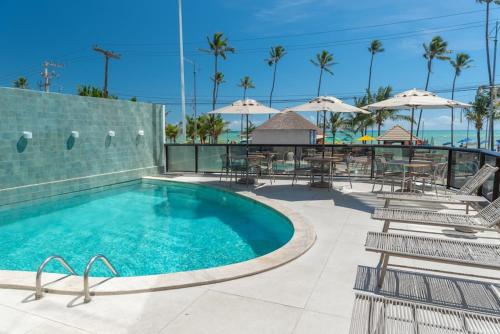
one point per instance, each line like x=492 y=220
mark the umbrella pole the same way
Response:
x=324 y=131
x=247 y=134
x=411 y=132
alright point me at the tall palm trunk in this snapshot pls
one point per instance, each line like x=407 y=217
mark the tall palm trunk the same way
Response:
x=272 y=86
x=478 y=137
x=452 y=110
x=370 y=75
x=319 y=90
x=429 y=70
x=214 y=90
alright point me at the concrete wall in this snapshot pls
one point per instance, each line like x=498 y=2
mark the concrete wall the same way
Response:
x=299 y=137
x=53 y=162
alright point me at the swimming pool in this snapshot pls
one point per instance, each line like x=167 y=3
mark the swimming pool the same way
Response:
x=143 y=228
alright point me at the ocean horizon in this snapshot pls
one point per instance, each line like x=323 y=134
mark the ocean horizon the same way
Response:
x=435 y=137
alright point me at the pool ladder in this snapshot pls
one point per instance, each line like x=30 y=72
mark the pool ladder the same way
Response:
x=64 y=263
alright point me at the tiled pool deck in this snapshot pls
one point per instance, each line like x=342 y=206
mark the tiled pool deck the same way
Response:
x=312 y=294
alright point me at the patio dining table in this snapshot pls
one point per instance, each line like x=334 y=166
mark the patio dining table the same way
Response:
x=407 y=167
x=331 y=161
x=251 y=161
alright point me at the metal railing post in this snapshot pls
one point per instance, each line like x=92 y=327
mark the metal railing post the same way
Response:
x=496 y=181
x=482 y=159
x=372 y=162
x=196 y=158
x=449 y=168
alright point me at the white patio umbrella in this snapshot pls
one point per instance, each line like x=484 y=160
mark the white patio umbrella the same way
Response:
x=327 y=103
x=416 y=99
x=245 y=107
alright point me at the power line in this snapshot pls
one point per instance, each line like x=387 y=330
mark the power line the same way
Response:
x=429 y=18
x=342 y=42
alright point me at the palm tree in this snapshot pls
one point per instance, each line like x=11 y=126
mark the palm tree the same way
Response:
x=275 y=55
x=462 y=61
x=203 y=127
x=336 y=123
x=172 y=131
x=375 y=47
x=436 y=49
x=190 y=128
x=218 y=80
x=478 y=113
x=245 y=83
x=381 y=116
x=324 y=61
x=21 y=83
x=218 y=47
x=217 y=127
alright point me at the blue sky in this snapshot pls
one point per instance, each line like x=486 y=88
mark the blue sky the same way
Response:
x=146 y=35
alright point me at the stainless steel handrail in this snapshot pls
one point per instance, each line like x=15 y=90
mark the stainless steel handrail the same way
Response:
x=86 y=289
x=38 y=288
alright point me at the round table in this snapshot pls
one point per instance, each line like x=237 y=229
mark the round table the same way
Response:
x=323 y=160
x=252 y=160
x=407 y=165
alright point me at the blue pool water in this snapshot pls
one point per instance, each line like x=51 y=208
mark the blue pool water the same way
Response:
x=143 y=229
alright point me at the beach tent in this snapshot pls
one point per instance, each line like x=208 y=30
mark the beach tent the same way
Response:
x=330 y=104
x=416 y=99
x=245 y=107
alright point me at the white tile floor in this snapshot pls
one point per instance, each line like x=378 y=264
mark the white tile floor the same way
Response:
x=312 y=294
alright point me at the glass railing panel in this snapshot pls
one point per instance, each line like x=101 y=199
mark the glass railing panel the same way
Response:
x=464 y=164
x=211 y=158
x=238 y=150
x=181 y=158
x=360 y=160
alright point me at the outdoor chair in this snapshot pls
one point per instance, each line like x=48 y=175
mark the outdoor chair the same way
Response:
x=242 y=167
x=224 y=166
x=467 y=253
x=384 y=174
x=321 y=169
x=486 y=219
x=374 y=314
x=464 y=195
x=267 y=165
x=422 y=174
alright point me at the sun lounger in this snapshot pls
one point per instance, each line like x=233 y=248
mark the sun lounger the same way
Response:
x=373 y=314
x=486 y=219
x=464 y=195
x=472 y=254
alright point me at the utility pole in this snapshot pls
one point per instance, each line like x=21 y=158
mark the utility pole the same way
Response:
x=107 y=55
x=183 y=93
x=47 y=75
x=493 y=93
x=194 y=98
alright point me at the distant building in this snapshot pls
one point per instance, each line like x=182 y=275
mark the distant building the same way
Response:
x=397 y=135
x=286 y=128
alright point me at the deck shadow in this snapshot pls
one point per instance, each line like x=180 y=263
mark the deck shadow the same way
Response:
x=453 y=292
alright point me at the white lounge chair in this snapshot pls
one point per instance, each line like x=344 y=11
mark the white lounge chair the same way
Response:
x=464 y=195
x=472 y=254
x=374 y=314
x=486 y=219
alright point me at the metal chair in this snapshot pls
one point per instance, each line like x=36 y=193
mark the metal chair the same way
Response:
x=383 y=173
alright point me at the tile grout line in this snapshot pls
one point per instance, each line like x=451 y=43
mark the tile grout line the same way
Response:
x=46 y=318
x=326 y=262
x=182 y=311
